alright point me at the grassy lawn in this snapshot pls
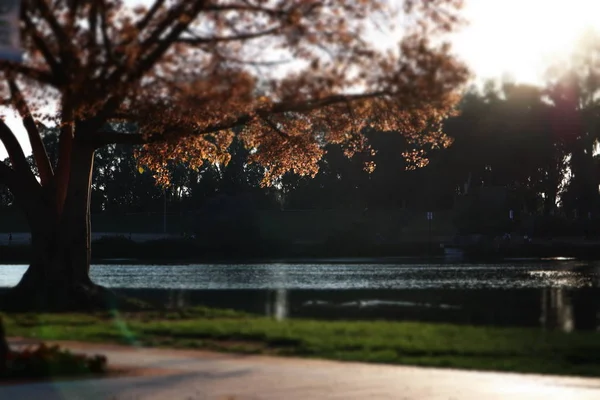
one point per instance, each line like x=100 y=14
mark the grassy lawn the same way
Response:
x=439 y=345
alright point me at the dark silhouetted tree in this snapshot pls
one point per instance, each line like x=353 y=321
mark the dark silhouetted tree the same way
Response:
x=297 y=75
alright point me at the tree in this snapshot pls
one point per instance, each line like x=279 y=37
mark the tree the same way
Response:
x=119 y=187
x=343 y=183
x=179 y=75
x=503 y=137
x=573 y=89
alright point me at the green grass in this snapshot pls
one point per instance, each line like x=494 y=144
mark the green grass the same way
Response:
x=438 y=345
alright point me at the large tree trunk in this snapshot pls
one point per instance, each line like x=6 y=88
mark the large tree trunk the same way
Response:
x=58 y=277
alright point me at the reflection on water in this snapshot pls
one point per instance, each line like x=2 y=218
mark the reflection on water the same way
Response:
x=552 y=295
x=178 y=299
x=277 y=305
x=564 y=279
x=549 y=309
x=557 y=310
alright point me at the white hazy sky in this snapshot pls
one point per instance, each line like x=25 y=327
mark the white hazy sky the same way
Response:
x=514 y=37
x=521 y=37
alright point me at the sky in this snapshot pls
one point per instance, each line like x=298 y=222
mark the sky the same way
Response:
x=521 y=37
x=516 y=38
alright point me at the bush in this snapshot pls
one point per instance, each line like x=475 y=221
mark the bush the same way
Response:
x=555 y=226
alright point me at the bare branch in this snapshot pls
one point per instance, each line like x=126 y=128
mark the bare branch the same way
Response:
x=325 y=101
x=15 y=152
x=153 y=49
x=150 y=57
x=21 y=189
x=35 y=74
x=74 y=6
x=41 y=45
x=104 y=30
x=102 y=138
x=252 y=63
x=143 y=23
x=67 y=50
x=50 y=18
x=93 y=28
x=196 y=40
x=274 y=126
x=248 y=8
x=37 y=145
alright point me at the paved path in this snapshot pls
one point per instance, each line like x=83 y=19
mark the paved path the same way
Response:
x=187 y=375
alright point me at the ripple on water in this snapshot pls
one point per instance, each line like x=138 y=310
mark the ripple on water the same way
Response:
x=566 y=274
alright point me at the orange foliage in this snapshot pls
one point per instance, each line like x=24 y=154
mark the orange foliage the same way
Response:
x=290 y=75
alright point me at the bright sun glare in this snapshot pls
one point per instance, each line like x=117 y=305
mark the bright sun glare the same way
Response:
x=521 y=37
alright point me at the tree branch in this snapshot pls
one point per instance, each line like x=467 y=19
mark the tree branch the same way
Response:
x=274 y=127
x=105 y=39
x=43 y=47
x=93 y=28
x=174 y=14
x=151 y=50
x=61 y=36
x=15 y=152
x=37 y=145
x=253 y=63
x=143 y=23
x=158 y=50
x=103 y=138
x=74 y=6
x=324 y=102
x=248 y=8
x=67 y=50
x=29 y=72
x=195 y=40
x=22 y=190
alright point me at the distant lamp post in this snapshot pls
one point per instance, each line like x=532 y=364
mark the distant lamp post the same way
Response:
x=429 y=219
x=165 y=211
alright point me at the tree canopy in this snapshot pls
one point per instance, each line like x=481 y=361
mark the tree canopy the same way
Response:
x=181 y=78
x=186 y=72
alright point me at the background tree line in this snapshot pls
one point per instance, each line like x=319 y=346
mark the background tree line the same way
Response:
x=539 y=143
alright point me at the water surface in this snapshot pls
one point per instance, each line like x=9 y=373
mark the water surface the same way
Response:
x=549 y=294
x=513 y=275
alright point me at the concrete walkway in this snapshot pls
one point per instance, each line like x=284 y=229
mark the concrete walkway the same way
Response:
x=186 y=375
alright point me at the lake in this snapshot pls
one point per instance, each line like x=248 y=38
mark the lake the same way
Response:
x=550 y=294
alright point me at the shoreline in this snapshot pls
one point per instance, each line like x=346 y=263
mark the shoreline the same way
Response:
x=398 y=260
x=122 y=251
x=326 y=261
